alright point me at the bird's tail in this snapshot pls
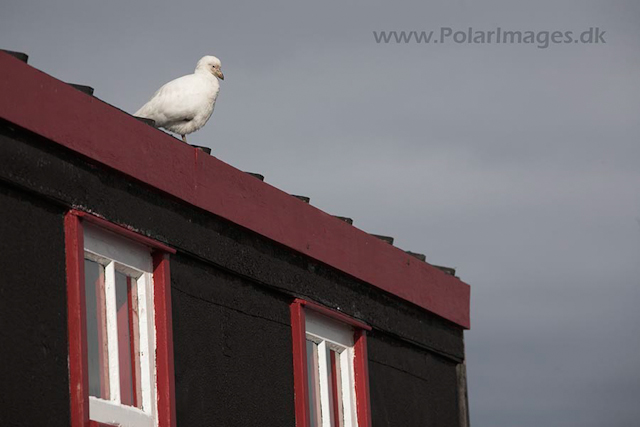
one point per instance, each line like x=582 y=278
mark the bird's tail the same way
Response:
x=141 y=112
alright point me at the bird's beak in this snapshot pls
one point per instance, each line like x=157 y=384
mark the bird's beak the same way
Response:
x=219 y=74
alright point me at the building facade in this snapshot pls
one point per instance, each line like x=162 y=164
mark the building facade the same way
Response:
x=144 y=282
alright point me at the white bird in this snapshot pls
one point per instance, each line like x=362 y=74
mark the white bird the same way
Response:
x=185 y=104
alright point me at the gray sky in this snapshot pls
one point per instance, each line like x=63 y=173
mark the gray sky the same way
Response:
x=514 y=164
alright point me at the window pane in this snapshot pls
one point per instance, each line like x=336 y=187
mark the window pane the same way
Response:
x=128 y=339
x=313 y=384
x=97 y=353
x=336 y=389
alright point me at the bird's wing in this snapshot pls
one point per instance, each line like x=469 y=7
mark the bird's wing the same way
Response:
x=173 y=102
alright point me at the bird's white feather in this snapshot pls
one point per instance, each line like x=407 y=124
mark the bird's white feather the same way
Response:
x=185 y=104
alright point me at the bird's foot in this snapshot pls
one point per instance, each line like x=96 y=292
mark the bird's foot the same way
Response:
x=184 y=138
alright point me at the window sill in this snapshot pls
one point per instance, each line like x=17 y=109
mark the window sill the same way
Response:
x=107 y=413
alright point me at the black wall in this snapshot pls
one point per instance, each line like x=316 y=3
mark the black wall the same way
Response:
x=410 y=386
x=232 y=349
x=230 y=290
x=34 y=385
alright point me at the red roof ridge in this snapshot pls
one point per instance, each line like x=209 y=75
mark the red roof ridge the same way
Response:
x=49 y=107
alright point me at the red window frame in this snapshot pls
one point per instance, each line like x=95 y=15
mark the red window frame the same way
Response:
x=361 y=370
x=77 y=328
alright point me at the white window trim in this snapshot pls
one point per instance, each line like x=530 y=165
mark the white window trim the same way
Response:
x=106 y=411
x=330 y=334
x=135 y=260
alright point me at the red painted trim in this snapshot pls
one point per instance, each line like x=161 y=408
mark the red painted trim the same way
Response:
x=341 y=317
x=299 y=340
x=76 y=320
x=361 y=371
x=51 y=108
x=78 y=366
x=123 y=231
x=164 y=340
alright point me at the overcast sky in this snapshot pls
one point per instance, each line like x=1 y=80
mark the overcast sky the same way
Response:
x=517 y=165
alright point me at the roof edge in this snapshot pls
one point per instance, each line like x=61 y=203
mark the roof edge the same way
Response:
x=55 y=110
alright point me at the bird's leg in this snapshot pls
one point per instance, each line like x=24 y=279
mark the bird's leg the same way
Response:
x=184 y=138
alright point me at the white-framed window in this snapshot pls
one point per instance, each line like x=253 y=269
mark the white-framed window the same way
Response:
x=330 y=372
x=120 y=329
